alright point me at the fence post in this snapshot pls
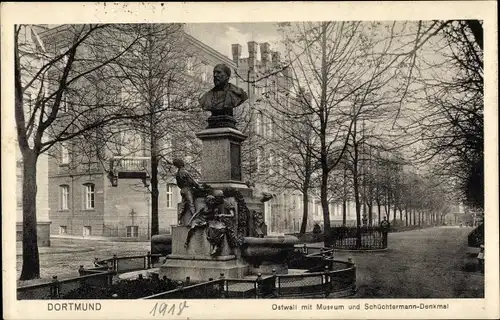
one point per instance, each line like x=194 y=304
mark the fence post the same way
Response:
x=110 y=275
x=274 y=290
x=149 y=260
x=81 y=270
x=304 y=249
x=115 y=263
x=327 y=282
x=258 y=282
x=222 y=290
x=54 y=288
x=188 y=281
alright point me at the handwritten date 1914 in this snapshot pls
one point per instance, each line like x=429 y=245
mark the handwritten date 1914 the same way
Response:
x=163 y=309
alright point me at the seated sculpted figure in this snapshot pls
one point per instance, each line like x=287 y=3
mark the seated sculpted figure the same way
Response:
x=201 y=218
x=223 y=224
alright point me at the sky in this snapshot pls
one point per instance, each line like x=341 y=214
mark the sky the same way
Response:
x=221 y=36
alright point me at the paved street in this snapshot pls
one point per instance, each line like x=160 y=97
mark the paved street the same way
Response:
x=424 y=263
x=419 y=264
x=65 y=255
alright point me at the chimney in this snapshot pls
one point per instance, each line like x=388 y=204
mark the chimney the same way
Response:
x=264 y=52
x=236 y=48
x=252 y=54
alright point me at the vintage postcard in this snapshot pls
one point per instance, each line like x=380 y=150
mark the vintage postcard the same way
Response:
x=253 y=160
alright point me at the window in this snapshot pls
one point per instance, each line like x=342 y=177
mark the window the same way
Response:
x=132 y=231
x=170 y=194
x=257 y=123
x=271 y=162
x=258 y=159
x=204 y=72
x=64 y=195
x=64 y=102
x=89 y=196
x=189 y=66
x=87 y=231
x=63 y=230
x=261 y=124
x=64 y=154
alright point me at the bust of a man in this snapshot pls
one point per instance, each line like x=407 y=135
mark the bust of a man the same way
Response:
x=222 y=98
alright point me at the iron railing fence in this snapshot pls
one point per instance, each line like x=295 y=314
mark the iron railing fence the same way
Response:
x=58 y=288
x=323 y=276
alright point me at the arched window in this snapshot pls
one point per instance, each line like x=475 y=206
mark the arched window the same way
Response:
x=89 y=198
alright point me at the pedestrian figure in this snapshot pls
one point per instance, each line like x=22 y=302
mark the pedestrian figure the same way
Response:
x=385 y=226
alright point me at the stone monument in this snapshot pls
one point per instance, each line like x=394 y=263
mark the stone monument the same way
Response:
x=209 y=239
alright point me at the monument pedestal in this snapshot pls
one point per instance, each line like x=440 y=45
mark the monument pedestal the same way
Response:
x=195 y=260
x=221 y=165
x=221 y=170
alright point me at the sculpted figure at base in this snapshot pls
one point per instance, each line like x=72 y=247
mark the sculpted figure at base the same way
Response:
x=259 y=227
x=222 y=225
x=222 y=99
x=202 y=217
x=187 y=184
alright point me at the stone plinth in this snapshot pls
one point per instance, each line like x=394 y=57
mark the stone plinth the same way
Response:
x=221 y=165
x=195 y=261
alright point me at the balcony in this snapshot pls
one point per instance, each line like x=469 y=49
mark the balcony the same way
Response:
x=131 y=167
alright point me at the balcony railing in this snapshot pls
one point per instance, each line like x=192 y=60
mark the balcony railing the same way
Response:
x=127 y=166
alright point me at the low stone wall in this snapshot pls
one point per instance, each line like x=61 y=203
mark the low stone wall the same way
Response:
x=43 y=233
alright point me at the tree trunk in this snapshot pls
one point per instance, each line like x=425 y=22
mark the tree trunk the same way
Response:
x=370 y=213
x=344 y=199
x=324 y=205
x=357 y=202
x=379 y=211
x=305 y=210
x=31 y=262
x=395 y=212
x=155 y=227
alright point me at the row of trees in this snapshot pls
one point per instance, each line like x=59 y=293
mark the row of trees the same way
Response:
x=358 y=90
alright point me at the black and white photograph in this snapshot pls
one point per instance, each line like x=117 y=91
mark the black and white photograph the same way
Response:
x=327 y=166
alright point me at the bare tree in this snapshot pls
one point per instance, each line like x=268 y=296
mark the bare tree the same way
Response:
x=70 y=62
x=450 y=87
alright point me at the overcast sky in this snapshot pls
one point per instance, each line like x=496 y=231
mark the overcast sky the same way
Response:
x=220 y=36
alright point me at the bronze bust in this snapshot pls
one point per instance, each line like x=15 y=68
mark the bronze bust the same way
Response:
x=222 y=99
